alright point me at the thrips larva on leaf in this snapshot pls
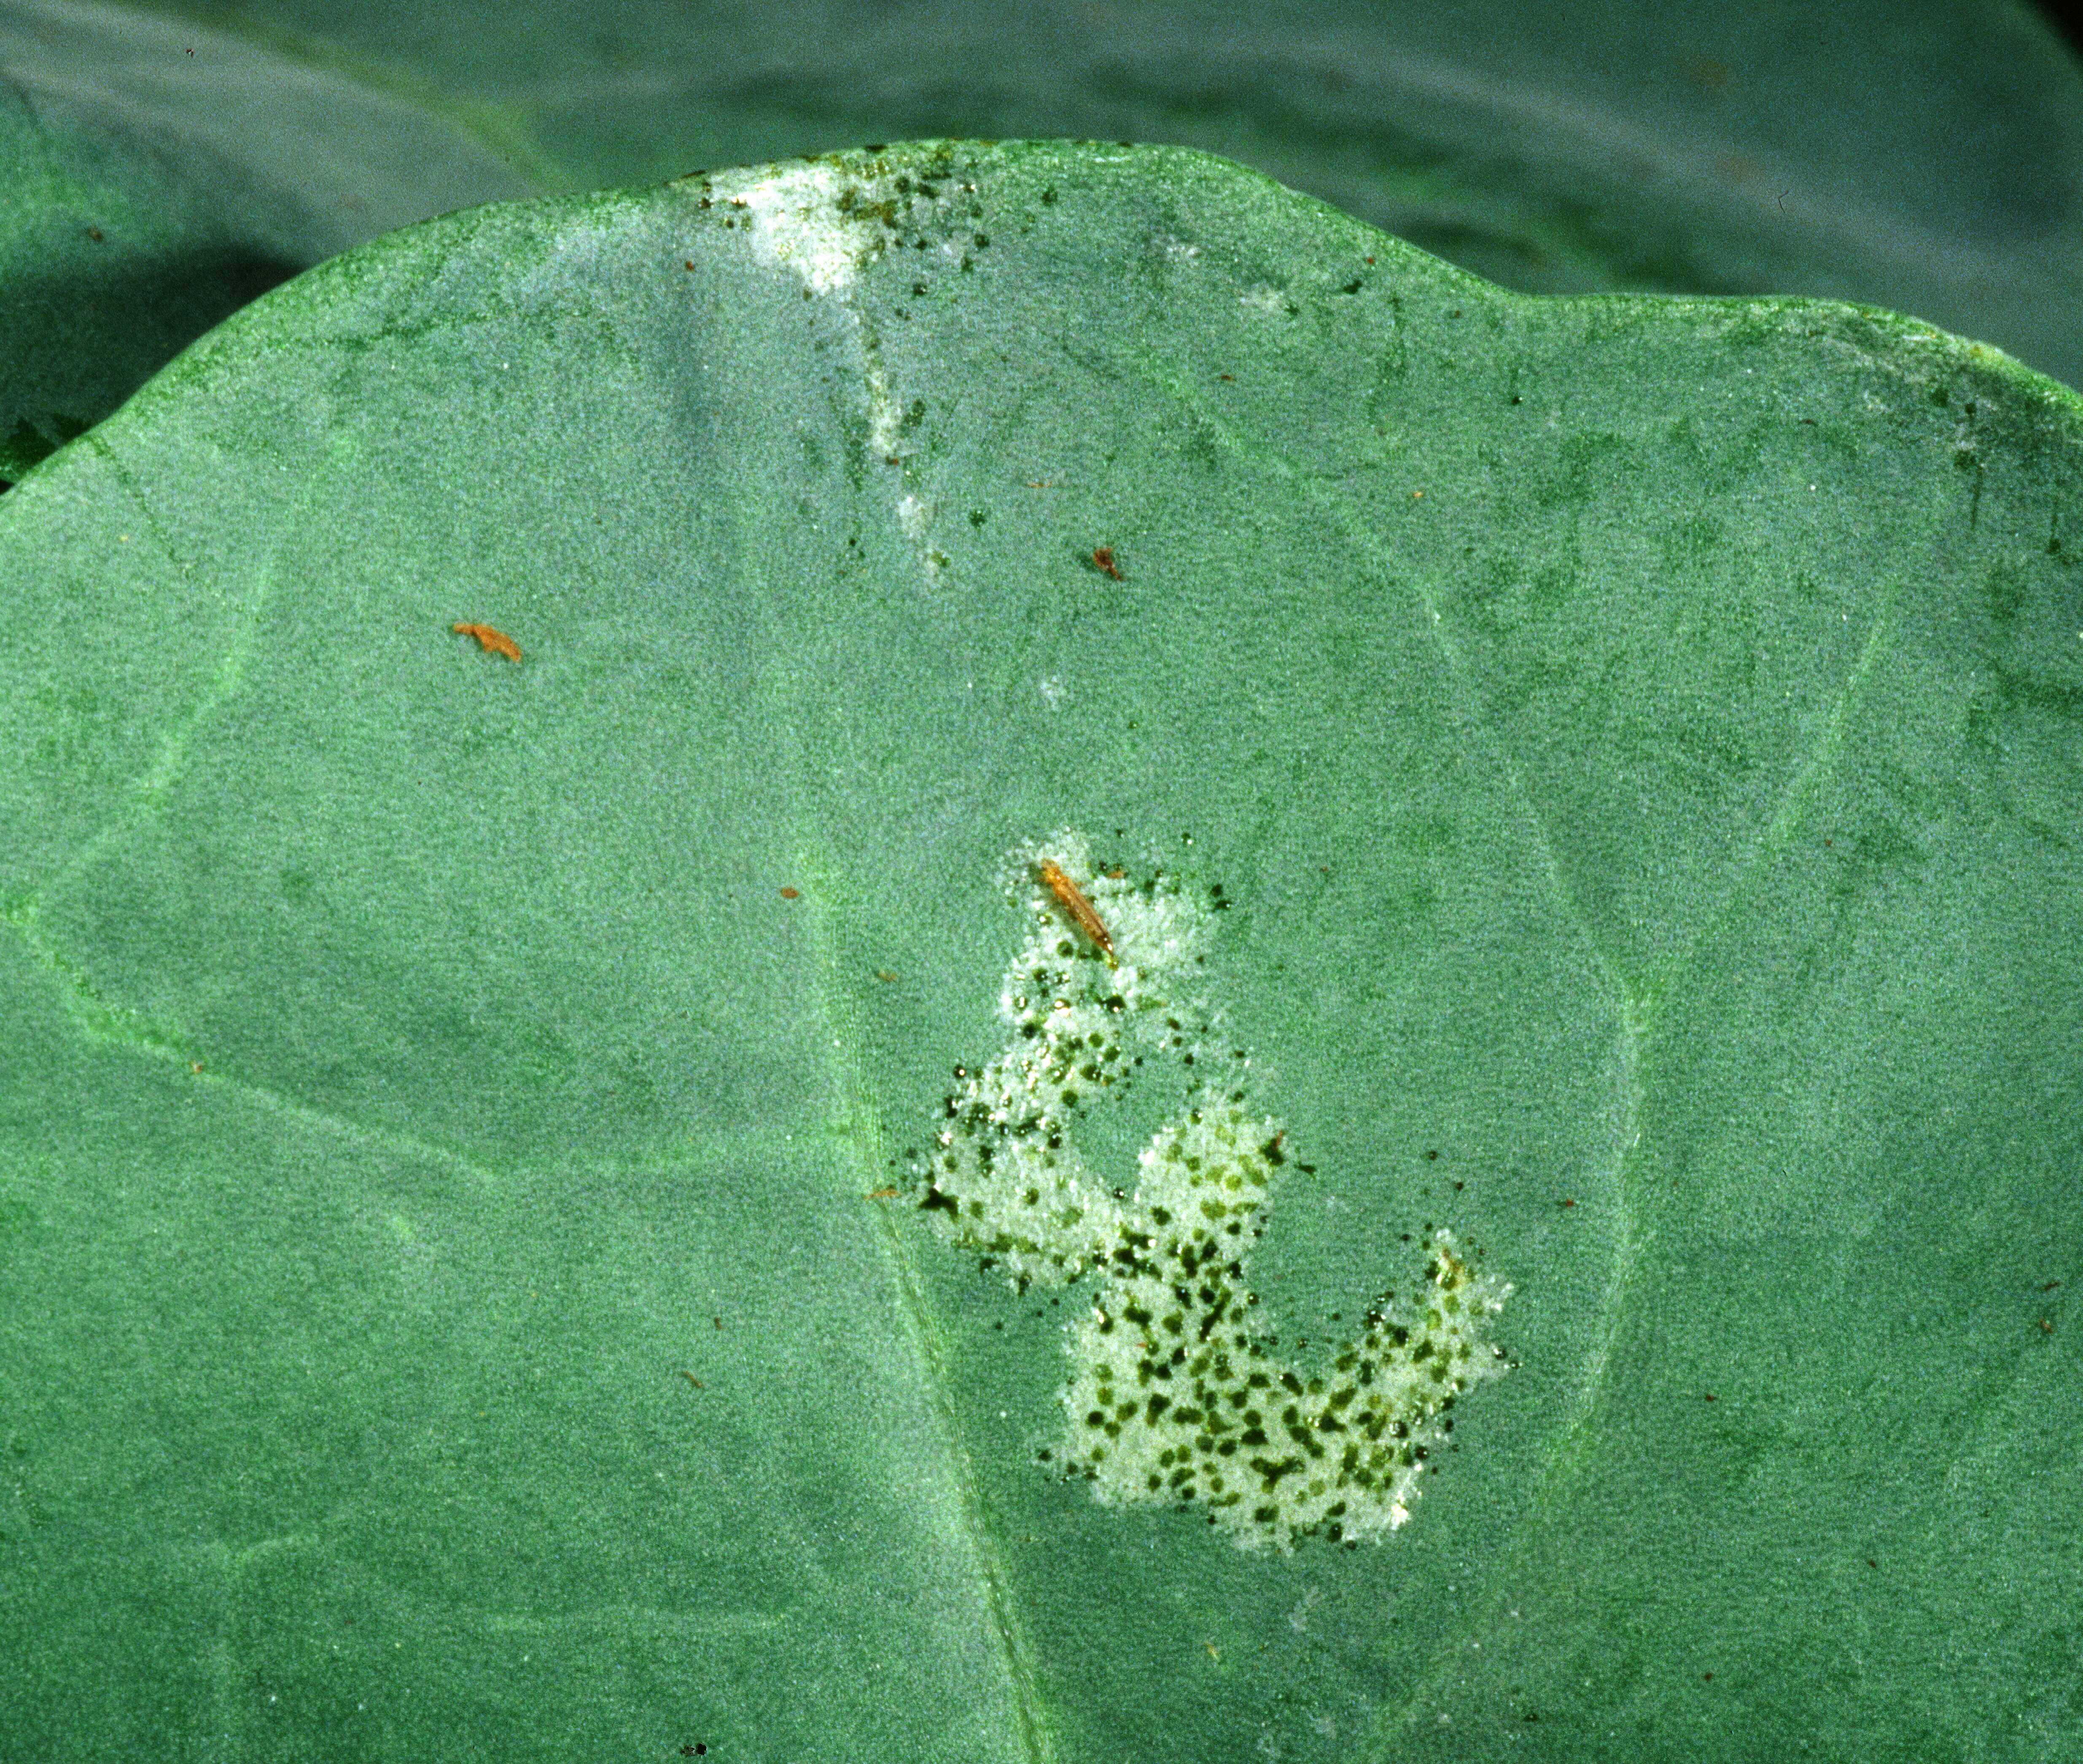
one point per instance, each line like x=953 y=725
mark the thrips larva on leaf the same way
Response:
x=492 y=641
x=1072 y=898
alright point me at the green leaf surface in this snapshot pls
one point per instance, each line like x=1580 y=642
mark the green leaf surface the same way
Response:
x=1922 y=155
x=158 y=176
x=1619 y=757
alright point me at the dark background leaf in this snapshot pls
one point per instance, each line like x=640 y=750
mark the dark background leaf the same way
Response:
x=159 y=175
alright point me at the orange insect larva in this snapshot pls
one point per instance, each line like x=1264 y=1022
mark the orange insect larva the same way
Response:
x=488 y=639
x=1072 y=899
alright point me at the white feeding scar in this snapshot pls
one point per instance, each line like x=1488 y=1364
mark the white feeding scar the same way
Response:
x=1177 y=1394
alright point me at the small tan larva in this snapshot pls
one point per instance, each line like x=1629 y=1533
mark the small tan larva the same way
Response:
x=490 y=640
x=1072 y=899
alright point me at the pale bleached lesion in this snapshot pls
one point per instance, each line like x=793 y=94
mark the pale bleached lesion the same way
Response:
x=1177 y=1393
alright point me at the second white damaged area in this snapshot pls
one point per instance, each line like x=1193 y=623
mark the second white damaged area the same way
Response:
x=828 y=217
